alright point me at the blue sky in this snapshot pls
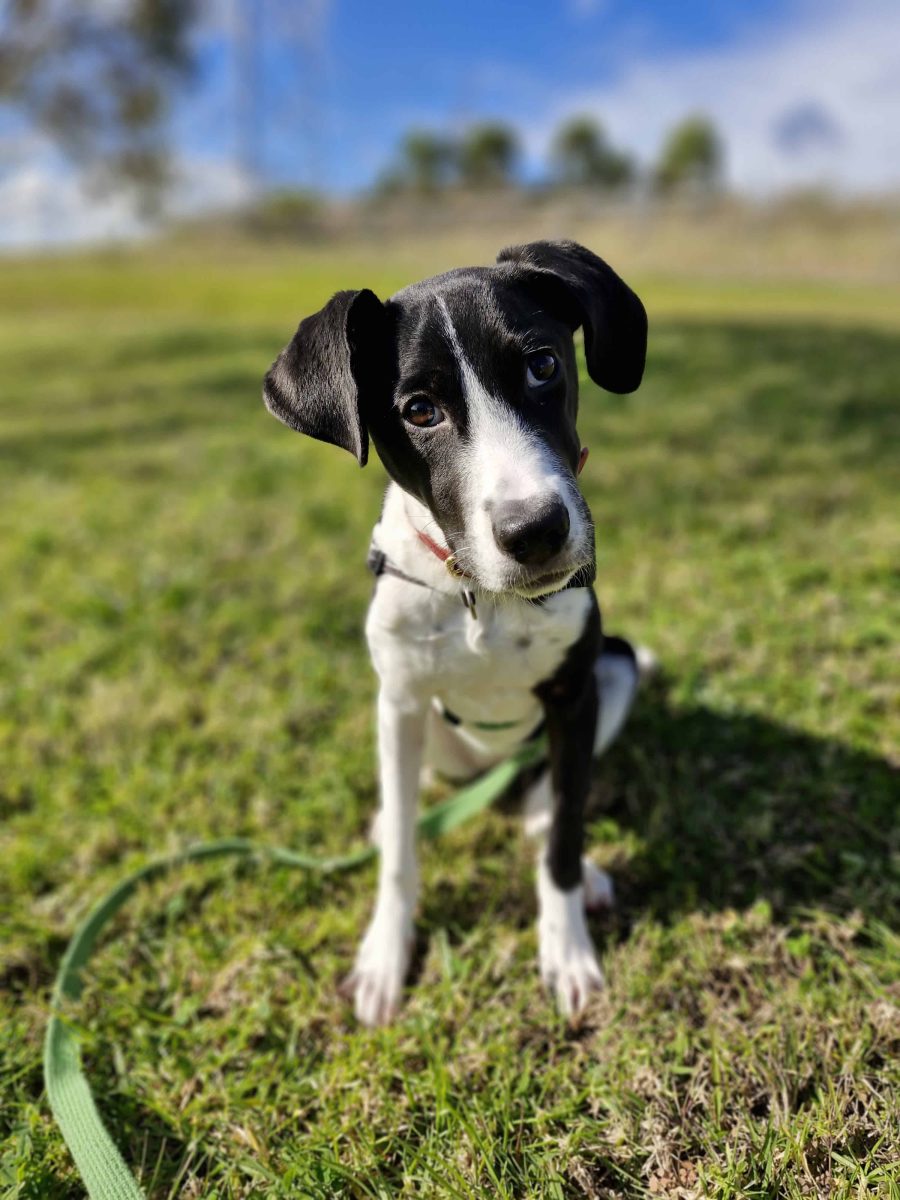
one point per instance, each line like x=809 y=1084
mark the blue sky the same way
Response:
x=373 y=71
x=805 y=92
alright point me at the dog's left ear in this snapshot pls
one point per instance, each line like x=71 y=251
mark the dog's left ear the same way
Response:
x=586 y=291
x=319 y=381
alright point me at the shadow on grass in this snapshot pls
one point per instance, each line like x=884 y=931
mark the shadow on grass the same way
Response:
x=727 y=809
x=718 y=811
x=51 y=448
x=798 y=382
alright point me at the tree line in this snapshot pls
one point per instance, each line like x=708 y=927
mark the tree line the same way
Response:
x=581 y=155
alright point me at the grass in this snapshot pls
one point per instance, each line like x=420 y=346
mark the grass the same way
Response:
x=181 y=658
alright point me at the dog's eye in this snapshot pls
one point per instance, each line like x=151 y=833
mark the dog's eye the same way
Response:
x=423 y=413
x=542 y=368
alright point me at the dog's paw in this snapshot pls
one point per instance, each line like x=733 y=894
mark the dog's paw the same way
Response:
x=648 y=664
x=376 y=981
x=599 y=893
x=570 y=970
x=568 y=961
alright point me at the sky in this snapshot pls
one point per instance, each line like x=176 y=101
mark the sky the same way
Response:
x=804 y=93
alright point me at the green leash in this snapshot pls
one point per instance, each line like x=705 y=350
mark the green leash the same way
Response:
x=103 y=1170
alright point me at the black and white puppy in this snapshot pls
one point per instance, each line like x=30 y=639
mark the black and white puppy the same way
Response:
x=484 y=626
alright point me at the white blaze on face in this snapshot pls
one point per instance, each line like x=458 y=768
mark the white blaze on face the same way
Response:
x=504 y=462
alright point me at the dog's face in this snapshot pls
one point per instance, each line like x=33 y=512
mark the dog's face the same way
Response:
x=467 y=385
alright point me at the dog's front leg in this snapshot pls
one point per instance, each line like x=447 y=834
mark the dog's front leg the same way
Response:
x=567 y=958
x=384 y=954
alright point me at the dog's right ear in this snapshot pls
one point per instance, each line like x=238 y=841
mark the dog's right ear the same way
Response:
x=315 y=385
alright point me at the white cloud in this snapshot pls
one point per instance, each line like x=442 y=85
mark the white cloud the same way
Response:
x=44 y=206
x=840 y=59
x=43 y=202
x=583 y=9
x=207 y=184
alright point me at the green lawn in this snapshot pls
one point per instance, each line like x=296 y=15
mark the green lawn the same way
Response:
x=181 y=657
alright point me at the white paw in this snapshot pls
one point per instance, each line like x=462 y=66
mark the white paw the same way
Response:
x=569 y=966
x=598 y=887
x=376 y=981
x=648 y=663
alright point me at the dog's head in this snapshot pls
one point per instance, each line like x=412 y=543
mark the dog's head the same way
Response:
x=467 y=385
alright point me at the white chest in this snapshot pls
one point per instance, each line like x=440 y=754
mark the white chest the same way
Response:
x=485 y=668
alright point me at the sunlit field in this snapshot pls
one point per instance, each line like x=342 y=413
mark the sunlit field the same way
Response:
x=181 y=657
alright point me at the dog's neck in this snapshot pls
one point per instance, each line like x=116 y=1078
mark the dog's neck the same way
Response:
x=424 y=529
x=403 y=519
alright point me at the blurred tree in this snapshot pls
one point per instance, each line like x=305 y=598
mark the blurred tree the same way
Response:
x=428 y=160
x=392 y=181
x=582 y=156
x=95 y=76
x=287 y=213
x=691 y=156
x=488 y=154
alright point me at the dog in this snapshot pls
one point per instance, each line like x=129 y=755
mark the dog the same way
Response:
x=483 y=629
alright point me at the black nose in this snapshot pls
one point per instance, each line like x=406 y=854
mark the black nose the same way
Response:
x=531 y=533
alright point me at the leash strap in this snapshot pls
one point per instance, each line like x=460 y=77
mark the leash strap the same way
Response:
x=378 y=564
x=102 y=1168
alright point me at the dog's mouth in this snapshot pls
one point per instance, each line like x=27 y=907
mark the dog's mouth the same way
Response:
x=532 y=588
x=514 y=579
x=545 y=585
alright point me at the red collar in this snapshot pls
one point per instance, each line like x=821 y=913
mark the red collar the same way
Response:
x=446 y=556
x=433 y=546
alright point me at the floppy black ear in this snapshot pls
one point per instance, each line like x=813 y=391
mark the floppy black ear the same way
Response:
x=315 y=385
x=588 y=292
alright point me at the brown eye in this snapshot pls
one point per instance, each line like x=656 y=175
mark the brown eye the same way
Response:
x=542 y=368
x=423 y=413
